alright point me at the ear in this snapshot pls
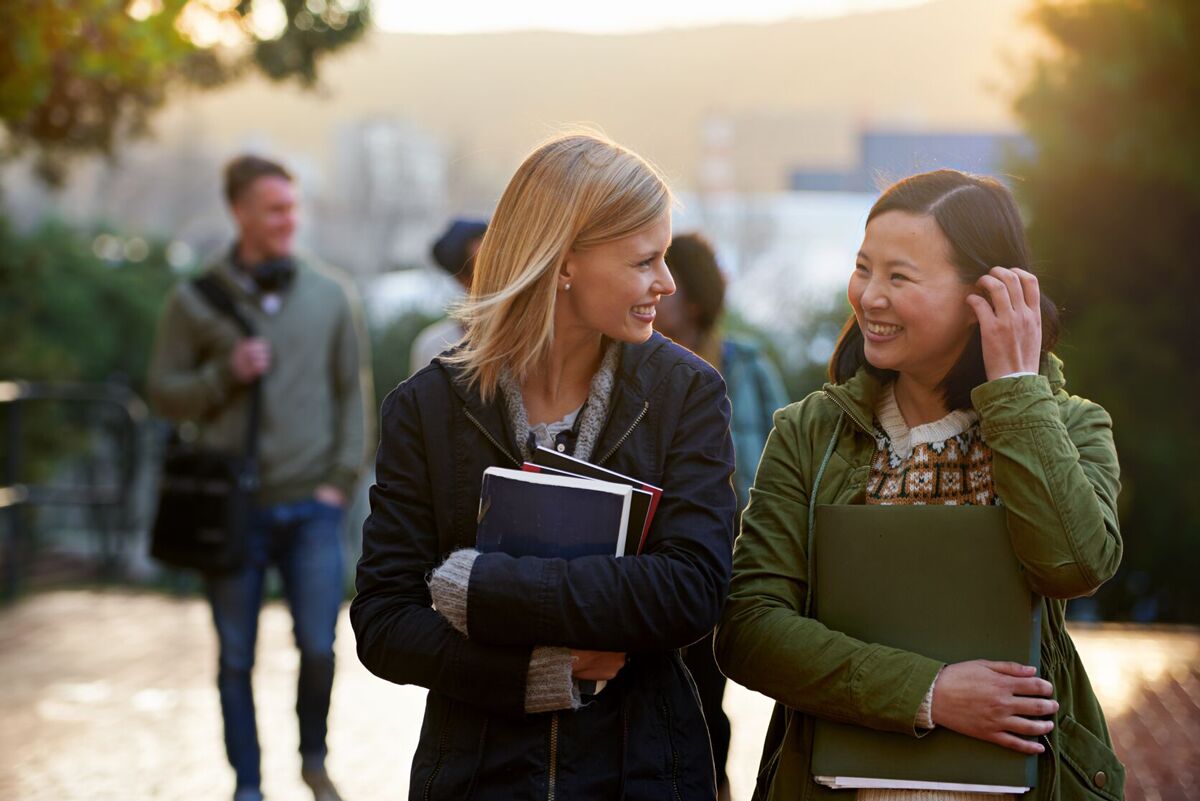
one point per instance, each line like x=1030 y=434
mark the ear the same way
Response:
x=568 y=269
x=238 y=210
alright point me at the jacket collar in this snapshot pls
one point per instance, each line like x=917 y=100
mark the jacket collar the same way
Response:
x=858 y=396
x=640 y=369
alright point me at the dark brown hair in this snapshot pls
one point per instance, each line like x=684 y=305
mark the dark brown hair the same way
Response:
x=693 y=265
x=243 y=171
x=979 y=218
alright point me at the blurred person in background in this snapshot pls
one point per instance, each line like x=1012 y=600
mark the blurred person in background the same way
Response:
x=310 y=353
x=454 y=252
x=692 y=318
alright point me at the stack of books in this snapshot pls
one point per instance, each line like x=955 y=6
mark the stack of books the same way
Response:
x=560 y=506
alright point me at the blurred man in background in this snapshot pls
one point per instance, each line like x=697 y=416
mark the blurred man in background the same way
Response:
x=309 y=354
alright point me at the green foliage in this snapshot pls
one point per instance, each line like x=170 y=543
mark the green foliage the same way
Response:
x=1114 y=197
x=76 y=76
x=391 y=349
x=68 y=315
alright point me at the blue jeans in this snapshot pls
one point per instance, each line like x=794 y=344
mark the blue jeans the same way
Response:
x=303 y=541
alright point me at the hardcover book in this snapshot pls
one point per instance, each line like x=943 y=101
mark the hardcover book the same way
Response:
x=941 y=581
x=643 y=503
x=537 y=514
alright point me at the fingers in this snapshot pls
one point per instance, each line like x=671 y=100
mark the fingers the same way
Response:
x=1012 y=285
x=999 y=292
x=259 y=349
x=1026 y=680
x=983 y=309
x=1010 y=668
x=1014 y=289
x=1034 y=707
x=1035 y=687
x=596 y=665
x=1030 y=288
x=1020 y=744
x=1028 y=726
x=253 y=356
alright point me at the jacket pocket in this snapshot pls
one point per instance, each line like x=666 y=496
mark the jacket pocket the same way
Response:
x=1091 y=769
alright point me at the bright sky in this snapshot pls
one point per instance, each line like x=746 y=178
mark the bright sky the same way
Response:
x=616 y=16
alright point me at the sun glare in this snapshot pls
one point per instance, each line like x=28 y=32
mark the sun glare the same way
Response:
x=617 y=16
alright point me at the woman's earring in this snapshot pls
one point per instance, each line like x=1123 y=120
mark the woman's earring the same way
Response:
x=567 y=287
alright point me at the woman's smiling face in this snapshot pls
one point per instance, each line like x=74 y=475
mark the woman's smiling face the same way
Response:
x=616 y=286
x=908 y=297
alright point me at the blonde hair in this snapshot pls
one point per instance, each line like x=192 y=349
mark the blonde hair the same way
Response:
x=575 y=191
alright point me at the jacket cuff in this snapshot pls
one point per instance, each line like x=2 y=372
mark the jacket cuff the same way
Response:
x=1011 y=398
x=549 y=686
x=448 y=587
x=925 y=710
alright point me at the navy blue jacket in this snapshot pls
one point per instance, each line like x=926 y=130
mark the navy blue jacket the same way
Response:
x=644 y=736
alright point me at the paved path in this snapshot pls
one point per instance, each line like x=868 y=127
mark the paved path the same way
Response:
x=110 y=696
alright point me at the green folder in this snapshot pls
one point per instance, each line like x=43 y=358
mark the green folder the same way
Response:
x=942 y=581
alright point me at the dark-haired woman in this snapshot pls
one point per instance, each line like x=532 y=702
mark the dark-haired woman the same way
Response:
x=943 y=390
x=692 y=317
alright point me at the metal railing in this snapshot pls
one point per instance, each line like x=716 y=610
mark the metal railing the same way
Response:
x=106 y=491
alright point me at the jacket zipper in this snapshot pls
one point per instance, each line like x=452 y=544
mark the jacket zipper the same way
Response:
x=846 y=410
x=551 y=788
x=674 y=754
x=625 y=436
x=1053 y=765
x=491 y=439
x=437 y=766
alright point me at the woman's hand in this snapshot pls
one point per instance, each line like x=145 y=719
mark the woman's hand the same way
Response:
x=994 y=701
x=596 y=665
x=1010 y=326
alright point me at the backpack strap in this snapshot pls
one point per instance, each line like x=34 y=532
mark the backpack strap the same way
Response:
x=211 y=289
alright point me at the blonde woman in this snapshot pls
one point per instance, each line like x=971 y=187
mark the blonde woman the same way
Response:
x=559 y=351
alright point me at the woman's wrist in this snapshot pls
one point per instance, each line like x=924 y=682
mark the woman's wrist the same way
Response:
x=549 y=685
x=448 y=586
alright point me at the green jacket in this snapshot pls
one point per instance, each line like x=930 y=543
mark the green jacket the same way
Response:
x=1055 y=469
x=316 y=422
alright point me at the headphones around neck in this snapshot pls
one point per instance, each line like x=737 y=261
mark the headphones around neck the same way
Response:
x=270 y=275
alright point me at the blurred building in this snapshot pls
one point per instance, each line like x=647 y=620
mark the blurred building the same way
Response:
x=385 y=196
x=754 y=151
x=887 y=156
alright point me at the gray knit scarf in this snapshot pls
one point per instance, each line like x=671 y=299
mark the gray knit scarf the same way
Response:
x=595 y=408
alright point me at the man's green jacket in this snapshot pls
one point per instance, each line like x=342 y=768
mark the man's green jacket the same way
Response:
x=317 y=399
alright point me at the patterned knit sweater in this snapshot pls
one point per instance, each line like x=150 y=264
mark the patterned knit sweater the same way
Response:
x=946 y=462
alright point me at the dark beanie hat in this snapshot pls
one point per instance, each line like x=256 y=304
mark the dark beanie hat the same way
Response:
x=450 y=250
